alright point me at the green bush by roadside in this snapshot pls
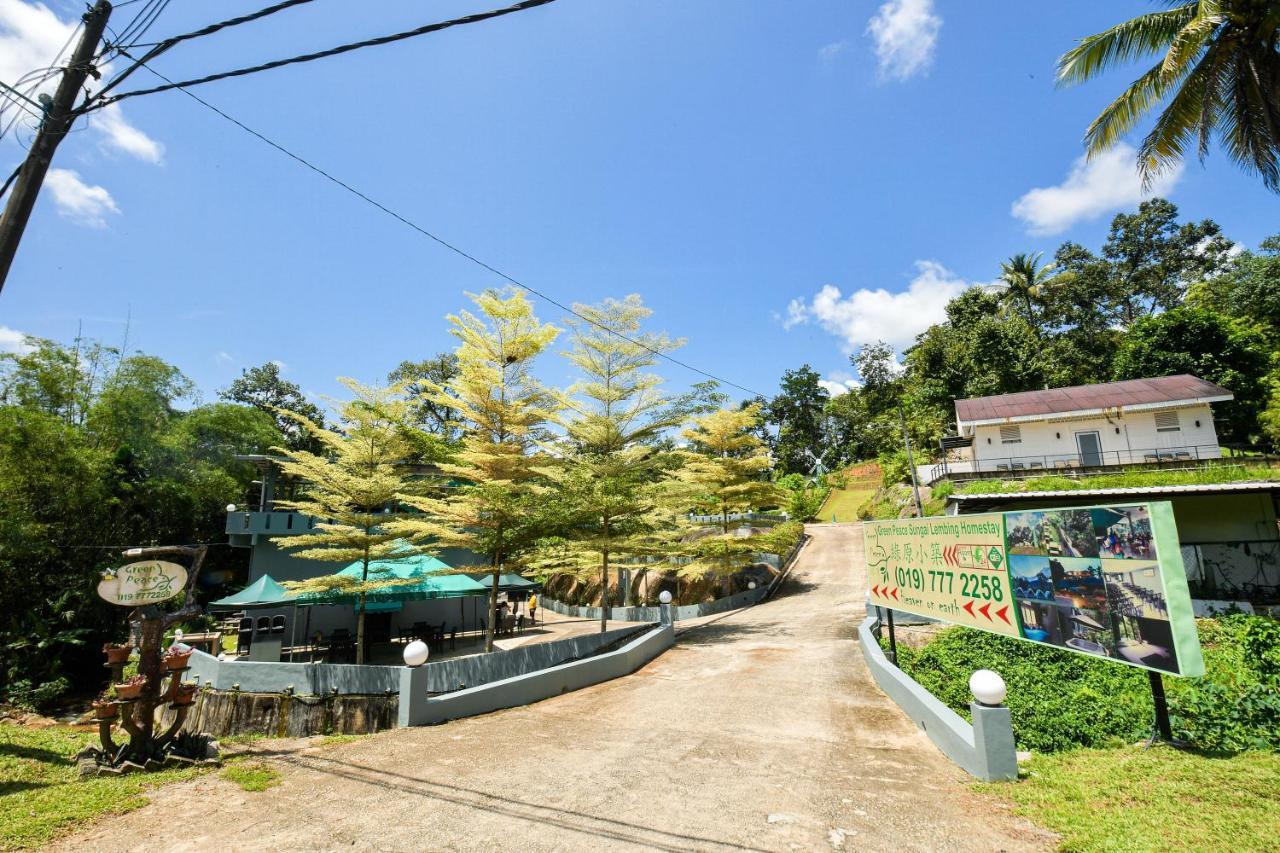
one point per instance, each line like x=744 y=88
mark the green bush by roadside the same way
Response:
x=1060 y=700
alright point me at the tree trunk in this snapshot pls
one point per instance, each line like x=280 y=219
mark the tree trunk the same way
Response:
x=725 y=582
x=492 y=627
x=604 y=592
x=360 y=630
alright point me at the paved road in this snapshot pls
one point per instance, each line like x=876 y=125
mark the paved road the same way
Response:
x=759 y=731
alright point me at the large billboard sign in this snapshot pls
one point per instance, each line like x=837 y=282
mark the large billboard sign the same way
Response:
x=1106 y=581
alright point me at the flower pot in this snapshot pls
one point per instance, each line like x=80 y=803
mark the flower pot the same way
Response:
x=176 y=660
x=185 y=695
x=117 y=654
x=129 y=692
x=105 y=710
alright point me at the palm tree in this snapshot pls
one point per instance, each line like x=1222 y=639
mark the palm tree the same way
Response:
x=1218 y=72
x=1024 y=281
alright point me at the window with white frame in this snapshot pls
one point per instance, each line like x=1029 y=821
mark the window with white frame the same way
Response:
x=1010 y=435
x=1168 y=422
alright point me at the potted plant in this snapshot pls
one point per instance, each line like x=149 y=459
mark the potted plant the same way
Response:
x=185 y=694
x=117 y=653
x=177 y=656
x=105 y=709
x=131 y=689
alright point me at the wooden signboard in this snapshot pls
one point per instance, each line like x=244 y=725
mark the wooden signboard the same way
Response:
x=147 y=582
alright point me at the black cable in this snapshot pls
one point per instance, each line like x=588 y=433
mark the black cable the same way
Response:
x=323 y=54
x=161 y=46
x=445 y=243
x=9 y=181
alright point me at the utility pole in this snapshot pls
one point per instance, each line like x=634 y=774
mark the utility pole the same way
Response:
x=911 y=465
x=57 y=121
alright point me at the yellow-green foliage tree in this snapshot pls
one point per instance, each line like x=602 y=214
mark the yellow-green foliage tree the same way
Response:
x=502 y=410
x=724 y=473
x=609 y=467
x=353 y=484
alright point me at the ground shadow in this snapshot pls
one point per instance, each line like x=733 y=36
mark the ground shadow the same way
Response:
x=607 y=827
x=34 y=753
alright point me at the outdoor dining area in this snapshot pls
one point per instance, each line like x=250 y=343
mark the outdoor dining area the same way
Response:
x=422 y=599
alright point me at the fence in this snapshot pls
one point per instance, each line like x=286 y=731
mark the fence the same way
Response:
x=1068 y=463
x=984 y=748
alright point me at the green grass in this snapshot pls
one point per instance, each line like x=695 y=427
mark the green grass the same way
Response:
x=338 y=740
x=1133 y=799
x=41 y=795
x=1120 y=479
x=251 y=775
x=845 y=503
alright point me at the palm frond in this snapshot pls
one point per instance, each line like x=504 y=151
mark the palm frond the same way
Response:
x=1123 y=113
x=1124 y=43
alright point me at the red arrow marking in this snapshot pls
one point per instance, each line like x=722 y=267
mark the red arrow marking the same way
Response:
x=876 y=590
x=985 y=610
x=1002 y=613
x=895 y=593
x=968 y=606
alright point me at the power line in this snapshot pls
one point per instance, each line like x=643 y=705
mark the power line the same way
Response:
x=441 y=241
x=161 y=46
x=323 y=54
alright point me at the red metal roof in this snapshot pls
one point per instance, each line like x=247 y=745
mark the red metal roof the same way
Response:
x=1105 y=395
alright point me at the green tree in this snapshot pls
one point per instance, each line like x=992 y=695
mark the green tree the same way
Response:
x=1217 y=73
x=797 y=410
x=727 y=475
x=503 y=408
x=418 y=377
x=1025 y=281
x=137 y=403
x=356 y=483
x=1208 y=345
x=264 y=388
x=1249 y=289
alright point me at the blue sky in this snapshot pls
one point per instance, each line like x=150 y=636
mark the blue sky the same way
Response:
x=780 y=181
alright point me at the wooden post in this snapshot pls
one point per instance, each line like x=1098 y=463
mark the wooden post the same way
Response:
x=54 y=127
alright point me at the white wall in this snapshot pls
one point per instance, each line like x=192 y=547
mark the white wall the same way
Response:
x=1047 y=441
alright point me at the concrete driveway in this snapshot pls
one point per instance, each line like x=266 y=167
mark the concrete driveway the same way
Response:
x=761 y=730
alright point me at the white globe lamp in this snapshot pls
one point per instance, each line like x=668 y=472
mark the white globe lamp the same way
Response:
x=751 y=585
x=231 y=507
x=987 y=687
x=665 y=596
x=416 y=653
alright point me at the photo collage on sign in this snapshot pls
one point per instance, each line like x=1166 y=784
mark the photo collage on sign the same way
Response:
x=1088 y=580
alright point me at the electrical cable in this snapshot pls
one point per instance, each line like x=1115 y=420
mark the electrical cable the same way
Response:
x=161 y=46
x=323 y=54
x=445 y=243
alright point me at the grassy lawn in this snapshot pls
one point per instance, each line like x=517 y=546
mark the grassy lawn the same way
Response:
x=41 y=795
x=845 y=503
x=252 y=775
x=1133 y=799
x=1131 y=478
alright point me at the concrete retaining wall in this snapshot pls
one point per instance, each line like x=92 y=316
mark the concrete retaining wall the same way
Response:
x=417 y=708
x=684 y=611
x=985 y=749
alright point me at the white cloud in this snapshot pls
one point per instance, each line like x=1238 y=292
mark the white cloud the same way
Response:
x=280 y=365
x=905 y=33
x=828 y=52
x=224 y=357
x=30 y=37
x=11 y=340
x=839 y=382
x=868 y=315
x=78 y=201
x=1107 y=182
x=125 y=137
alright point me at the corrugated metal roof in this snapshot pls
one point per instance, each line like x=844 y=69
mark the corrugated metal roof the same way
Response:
x=1126 y=491
x=1084 y=398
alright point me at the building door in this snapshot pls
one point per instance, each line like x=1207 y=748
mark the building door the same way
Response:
x=1090 y=447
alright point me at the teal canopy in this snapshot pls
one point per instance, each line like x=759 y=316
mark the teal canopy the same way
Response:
x=506 y=583
x=264 y=592
x=425 y=577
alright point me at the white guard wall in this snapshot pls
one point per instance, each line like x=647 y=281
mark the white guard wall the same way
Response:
x=1124 y=440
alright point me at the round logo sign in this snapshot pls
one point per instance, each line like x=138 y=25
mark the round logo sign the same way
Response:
x=148 y=582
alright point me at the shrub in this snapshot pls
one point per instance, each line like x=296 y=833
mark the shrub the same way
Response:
x=1062 y=700
x=893 y=468
x=804 y=504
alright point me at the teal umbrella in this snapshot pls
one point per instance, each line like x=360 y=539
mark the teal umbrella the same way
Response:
x=264 y=592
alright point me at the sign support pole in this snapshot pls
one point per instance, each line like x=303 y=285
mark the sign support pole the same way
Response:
x=893 y=639
x=1162 y=706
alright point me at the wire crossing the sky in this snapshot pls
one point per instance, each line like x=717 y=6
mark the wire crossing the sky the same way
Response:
x=440 y=240
x=99 y=103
